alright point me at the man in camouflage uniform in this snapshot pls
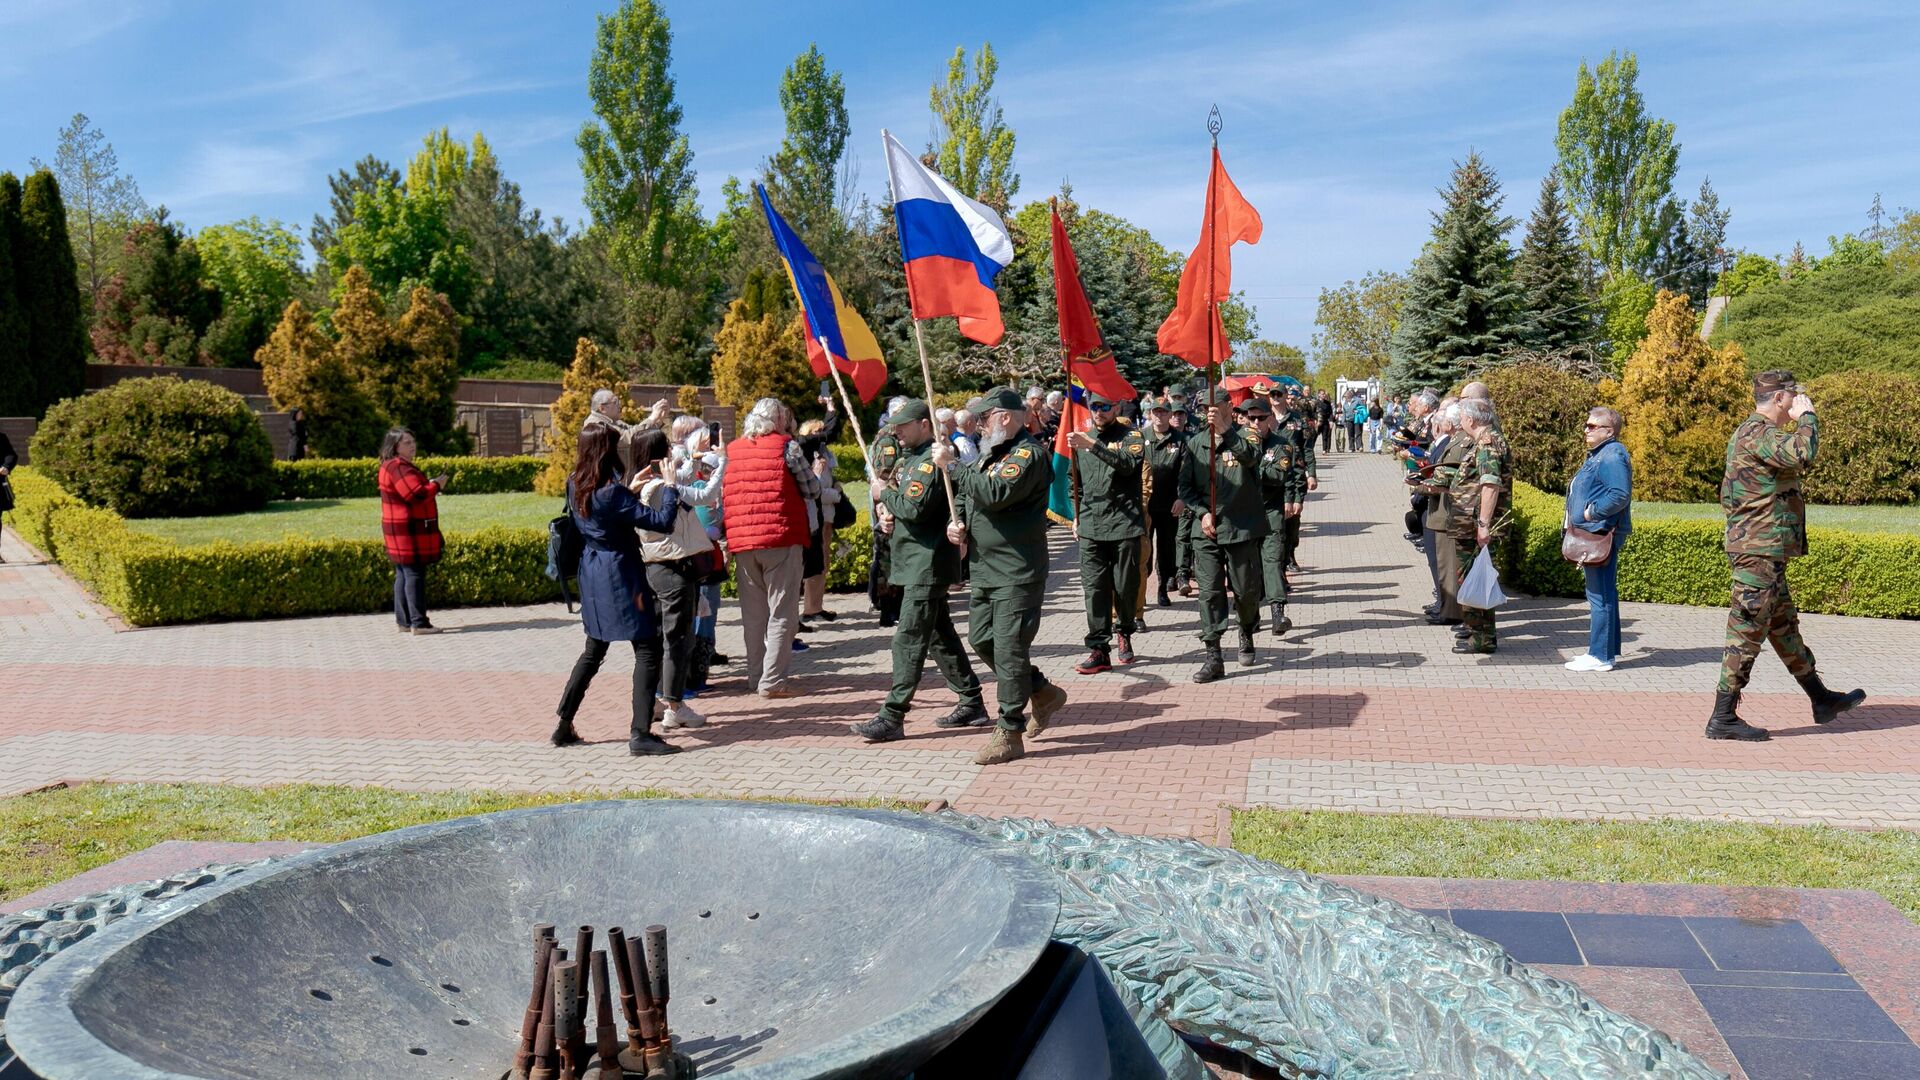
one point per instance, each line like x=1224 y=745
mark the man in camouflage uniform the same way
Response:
x=1223 y=471
x=924 y=563
x=884 y=455
x=1276 y=468
x=1481 y=493
x=1003 y=498
x=1766 y=526
x=1166 y=449
x=1109 y=520
x=1303 y=475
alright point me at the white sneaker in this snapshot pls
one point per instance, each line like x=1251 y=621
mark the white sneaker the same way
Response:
x=682 y=715
x=1587 y=662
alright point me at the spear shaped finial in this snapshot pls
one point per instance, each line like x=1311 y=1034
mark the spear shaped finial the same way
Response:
x=1213 y=122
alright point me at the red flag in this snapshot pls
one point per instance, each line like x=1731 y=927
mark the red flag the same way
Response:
x=1092 y=362
x=1193 y=331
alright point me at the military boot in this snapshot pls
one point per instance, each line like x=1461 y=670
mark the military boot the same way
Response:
x=1826 y=703
x=1042 y=705
x=1281 y=624
x=1212 y=667
x=1248 y=657
x=965 y=714
x=1726 y=724
x=881 y=729
x=1002 y=748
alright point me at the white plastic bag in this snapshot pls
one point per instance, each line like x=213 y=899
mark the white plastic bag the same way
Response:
x=1481 y=587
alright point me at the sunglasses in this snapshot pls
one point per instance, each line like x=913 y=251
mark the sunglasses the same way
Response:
x=1591 y=426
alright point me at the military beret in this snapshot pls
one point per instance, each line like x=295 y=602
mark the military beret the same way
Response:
x=910 y=410
x=1256 y=407
x=1003 y=397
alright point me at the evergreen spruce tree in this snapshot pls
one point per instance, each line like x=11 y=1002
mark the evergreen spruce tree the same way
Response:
x=1553 y=277
x=1707 y=223
x=17 y=380
x=1462 y=304
x=48 y=285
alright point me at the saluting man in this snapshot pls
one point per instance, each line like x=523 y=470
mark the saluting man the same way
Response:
x=1226 y=540
x=924 y=563
x=1276 y=467
x=1107 y=461
x=1003 y=496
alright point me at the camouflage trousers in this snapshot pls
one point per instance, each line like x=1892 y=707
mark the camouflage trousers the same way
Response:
x=1481 y=629
x=1762 y=611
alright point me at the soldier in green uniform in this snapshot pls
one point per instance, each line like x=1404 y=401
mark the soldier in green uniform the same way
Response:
x=1003 y=496
x=1766 y=526
x=883 y=458
x=1166 y=449
x=1481 y=492
x=924 y=563
x=1276 y=467
x=1185 y=423
x=1109 y=519
x=1226 y=542
x=1304 y=475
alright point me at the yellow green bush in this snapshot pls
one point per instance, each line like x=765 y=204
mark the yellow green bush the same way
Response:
x=358 y=478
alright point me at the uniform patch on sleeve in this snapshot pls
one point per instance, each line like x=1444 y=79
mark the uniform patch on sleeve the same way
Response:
x=914 y=488
x=1023 y=453
x=1137 y=448
x=1011 y=469
x=925 y=467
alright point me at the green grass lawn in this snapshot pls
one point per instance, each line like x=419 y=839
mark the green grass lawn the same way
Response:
x=327 y=519
x=1893 y=519
x=1667 y=852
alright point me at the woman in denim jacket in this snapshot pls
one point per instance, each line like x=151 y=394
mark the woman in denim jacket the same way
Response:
x=1600 y=499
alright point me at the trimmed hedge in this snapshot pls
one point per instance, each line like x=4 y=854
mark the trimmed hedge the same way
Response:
x=1671 y=561
x=359 y=478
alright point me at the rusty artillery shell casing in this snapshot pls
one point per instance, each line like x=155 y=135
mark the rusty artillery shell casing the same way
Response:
x=606 y=1034
x=643 y=994
x=657 y=963
x=543 y=1049
x=566 y=1017
x=530 y=1023
x=623 y=970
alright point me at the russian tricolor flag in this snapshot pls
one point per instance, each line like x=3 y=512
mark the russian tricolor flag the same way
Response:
x=952 y=247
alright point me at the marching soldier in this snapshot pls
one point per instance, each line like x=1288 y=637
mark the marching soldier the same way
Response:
x=1481 y=494
x=885 y=458
x=1166 y=450
x=1766 y=526
x=1276 y=468
x=1226 y=539
x=1004 y=499
x=1304 y=473
x=924 y=562
x=1109 y=521
x=1183 y=422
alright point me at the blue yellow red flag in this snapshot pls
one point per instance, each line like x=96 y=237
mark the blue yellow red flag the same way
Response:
x=836 y=333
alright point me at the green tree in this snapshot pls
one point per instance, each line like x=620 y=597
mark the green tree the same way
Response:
x=1903 y=243
x=636 y=162
x=366 y=175
x=102 y=202
x=403 y=238
x=1707 y=224
x=47 y=282
x=1681 y=399
x=588 y=372
x=761 y=357
x=532 y=296
x=17 y=382
x=973 y=145
x=1617 y=163
x=1354 y=324
x=1837 y=319
x=302 y=371
x=409 y=370
x=1748 y=273
x=805 y=172
x=1849 y=250
x=156 y=307
x=1627 y=300
x=1677 y=258
x=442 y=163
x=1462 y=305
x=1272 y=357
x=1555 y=285
x=255 y=267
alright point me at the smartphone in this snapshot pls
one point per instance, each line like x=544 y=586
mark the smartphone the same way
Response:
x=713 y=433
x=826 y=387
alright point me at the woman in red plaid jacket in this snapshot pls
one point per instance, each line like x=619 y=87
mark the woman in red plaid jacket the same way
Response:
x=410 y=524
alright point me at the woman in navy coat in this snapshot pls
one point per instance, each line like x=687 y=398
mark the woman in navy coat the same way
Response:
x=615 y=602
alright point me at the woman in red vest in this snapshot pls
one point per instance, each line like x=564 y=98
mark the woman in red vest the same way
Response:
x=764 y=497
x=410 y=524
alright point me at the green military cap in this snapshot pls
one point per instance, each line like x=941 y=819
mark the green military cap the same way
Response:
x=1003 y=397
x=1154 y=404
x=1257 y=406
x=910 y=410
x=1219 y=397
x=1095 y=399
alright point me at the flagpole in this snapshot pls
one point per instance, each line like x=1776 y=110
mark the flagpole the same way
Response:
x=1066 y=356
x=853 y=416
x=920 y=343
x=1213 y=311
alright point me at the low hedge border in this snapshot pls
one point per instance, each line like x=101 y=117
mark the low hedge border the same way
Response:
x=358 y=478
x=1666 y=561
x=149 y=581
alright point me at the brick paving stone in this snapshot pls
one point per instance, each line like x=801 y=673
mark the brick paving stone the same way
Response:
x=1362 y=706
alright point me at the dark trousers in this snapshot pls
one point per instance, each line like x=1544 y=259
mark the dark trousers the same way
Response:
x=1326 y=437
x=646 y=680
x=926 y=625
x=1184 y=534
x=410 y=596
x=1109 y=582
x=1001 y=627
x=678 y=593
x=1273 y=558
x=1163 y=557
x=1216 y=565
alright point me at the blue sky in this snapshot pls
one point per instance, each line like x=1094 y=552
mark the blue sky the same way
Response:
x=1340 y=120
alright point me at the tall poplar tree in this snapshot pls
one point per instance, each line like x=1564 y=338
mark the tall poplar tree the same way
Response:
x=47 y=281
x=1617 y=163
x=1555 y=287
x=1462 y=304
x=804 y=173
x=102 y=202
x=973 y=145
x=17 y=377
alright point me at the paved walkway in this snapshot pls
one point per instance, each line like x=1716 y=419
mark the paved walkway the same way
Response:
x=1361 y=707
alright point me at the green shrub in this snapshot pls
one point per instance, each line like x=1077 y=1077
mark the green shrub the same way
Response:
x=358 y=478
x=1834 y=320
x=1683 y=561
x=1542 y=410
x=158 y=448
x=1869 y=443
